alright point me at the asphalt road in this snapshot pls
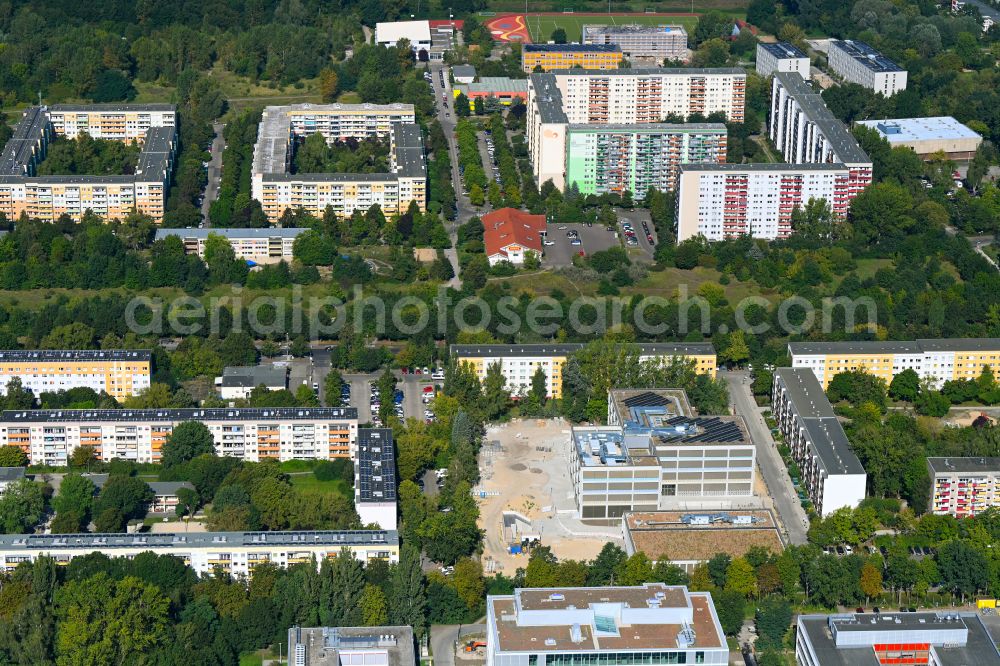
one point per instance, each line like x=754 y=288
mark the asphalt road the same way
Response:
x=444 y=638
x=446 y=116
x=779 y=485
x=214 y=172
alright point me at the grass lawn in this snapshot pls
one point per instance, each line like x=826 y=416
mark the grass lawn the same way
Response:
x=310 y=482
x=665 y=284
x=252 y=659
x=541 y=27
x=868 y=267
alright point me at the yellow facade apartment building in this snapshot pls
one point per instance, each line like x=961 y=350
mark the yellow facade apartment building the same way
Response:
x=520 y=362
x=112 y=197
x=568 y=56
x=120 y=373
x=937 y=360
x=281 y=127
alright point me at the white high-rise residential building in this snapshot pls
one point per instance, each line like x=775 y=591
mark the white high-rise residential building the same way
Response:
x=859 y=63
x=781 y=57
x=576 y=118
x=822 y=161
x=622 y=626
x=831 y=474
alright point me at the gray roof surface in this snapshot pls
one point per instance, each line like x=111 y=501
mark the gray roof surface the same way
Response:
x=375 y=467
x=966 y=465
x=254 y=375
x=633 y=29
x=764 y=166
x=548 y=98
x=267 y=232
x=408 y=151
x=495 y=84
x=320 y=646
x=823 y=427
x=195 y=414
x=12 y=355
x=920 y=129
x=181 y=541
x=113 y=106
x=979 y=649
x=813 y=106
x=648 y=128
x=19 y=151
x=782 y=50
x=572 y=48
x=866 y=55
x=11 y=473
x=652 y=71
x=895 y=346
x=554 y=349
x=463 y=70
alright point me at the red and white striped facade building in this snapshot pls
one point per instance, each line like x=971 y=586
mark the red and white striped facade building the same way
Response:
x=822 y=161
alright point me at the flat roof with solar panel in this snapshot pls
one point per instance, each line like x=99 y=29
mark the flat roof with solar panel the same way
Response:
x=782 y=50
x=375 y=466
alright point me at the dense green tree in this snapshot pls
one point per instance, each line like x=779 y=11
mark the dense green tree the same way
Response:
x=188 y=440
x=22 y=506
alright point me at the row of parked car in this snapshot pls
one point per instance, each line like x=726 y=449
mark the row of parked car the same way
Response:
x=629 y=232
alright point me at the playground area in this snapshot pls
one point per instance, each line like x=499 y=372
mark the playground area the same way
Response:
x=526 y=496
x=538 y=28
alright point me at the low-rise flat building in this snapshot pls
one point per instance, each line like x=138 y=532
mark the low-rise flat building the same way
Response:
x=501 y=88
x=417 y=33
x=375 y=478
x=519 y=362
x=512 y=235
x=235 y=553
x=946 y=638
x=567 y=56
x=351 y=646
x=657 y=455
x=859 y=63
x=9 y=475
x=929 y=136
x=165 y=493
x=689 y=539
x=964 y=486
x=260 y=246
x=463 y=73
x=49 y=436
x=120 y=373
x=935 y=360
x=781 y=57
x=831 y=474
x=281 y=126
x=626 y=626
x=661 y=42
x=238 y=383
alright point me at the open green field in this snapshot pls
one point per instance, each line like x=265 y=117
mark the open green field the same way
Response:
x=541 y=27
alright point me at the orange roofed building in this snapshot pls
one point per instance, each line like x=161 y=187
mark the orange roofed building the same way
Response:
x=510 y=235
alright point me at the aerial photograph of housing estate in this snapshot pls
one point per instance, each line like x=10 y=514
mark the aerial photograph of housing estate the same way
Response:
x=490 y=333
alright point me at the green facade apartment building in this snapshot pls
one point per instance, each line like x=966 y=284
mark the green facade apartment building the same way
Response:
x=606 y=158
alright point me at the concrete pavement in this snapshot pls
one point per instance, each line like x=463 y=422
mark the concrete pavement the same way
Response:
x=779 y=485
x=214 y=172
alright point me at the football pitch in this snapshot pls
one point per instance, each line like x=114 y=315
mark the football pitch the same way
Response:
x=541 y=25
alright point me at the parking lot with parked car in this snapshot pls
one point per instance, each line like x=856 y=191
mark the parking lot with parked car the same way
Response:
x=568 y=240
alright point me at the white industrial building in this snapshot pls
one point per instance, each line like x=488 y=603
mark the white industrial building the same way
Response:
x=831 y=474
x=351 y=646
x=943 y=638
x=418 y=33
x=928 y=137
x=781 y=57
x=621 y=626
x=859 y=63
